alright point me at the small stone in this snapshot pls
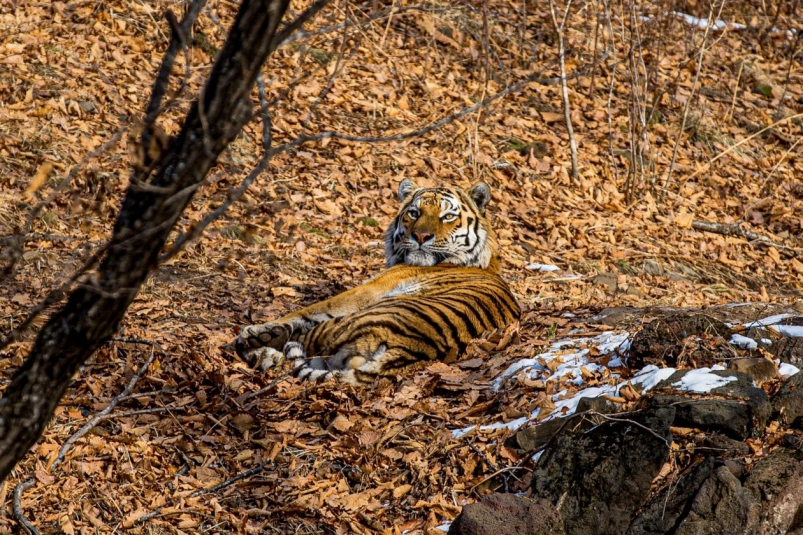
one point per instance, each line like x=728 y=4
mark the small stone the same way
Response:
x=736 y=468
x=87 y=106
x=761 y=370
x=651 y=267
x=609 y=280
x=498 y=514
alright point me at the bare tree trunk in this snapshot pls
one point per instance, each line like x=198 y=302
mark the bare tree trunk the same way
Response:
x=153 y=203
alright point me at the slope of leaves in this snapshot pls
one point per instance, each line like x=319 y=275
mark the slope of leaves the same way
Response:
x=335 y=459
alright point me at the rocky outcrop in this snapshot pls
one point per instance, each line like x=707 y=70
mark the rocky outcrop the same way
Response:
x=737 y=409
x=721 y=507
x=598 y=479
x=602 y=476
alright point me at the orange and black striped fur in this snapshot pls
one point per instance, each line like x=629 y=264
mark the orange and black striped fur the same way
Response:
x=442 y=290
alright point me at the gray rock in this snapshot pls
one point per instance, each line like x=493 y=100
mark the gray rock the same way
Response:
x=759 y=369
x=608 y=280
x=742 y=414
x=777 y=480
x=787 y=403
x=662 y=514
x=534 y=438
x=722 y=447
x=601 y=477
x=722 y=507
x=506 y=514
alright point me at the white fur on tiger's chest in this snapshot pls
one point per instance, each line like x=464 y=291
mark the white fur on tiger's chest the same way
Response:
x=403 y=288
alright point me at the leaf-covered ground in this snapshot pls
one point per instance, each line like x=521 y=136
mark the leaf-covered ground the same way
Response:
x=383 y=460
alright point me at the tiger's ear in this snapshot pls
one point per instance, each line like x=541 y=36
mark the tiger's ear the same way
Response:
x=406 y=187
x=481 y=195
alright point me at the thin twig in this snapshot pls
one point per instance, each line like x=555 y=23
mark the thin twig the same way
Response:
x=567 y=108
x=17 y=507
x=112 y=404
x=736 y=230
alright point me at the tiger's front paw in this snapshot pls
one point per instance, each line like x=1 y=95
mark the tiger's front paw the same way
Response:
x=259 y=345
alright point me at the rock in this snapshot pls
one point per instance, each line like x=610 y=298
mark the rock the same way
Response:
x=534 y=438
x=789 y=350
x=87 y=106
x=787 y=403
x=609 y=280
x=722 y=447
x=601 y=477
x=664 y=511
x=743 y=414
x=721 y=507
x=777 y=480
x=759 y=369
x=701 y=341
x=507 y=514
x=651 y=267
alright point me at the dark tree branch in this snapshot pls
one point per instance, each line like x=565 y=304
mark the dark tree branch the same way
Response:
x=94 y=310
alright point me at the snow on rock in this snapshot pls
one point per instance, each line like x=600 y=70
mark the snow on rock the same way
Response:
x=786 y=369
x=701 y=380
x=743 y=342
x=793 y=331
x=542 y=267
x=770 y=320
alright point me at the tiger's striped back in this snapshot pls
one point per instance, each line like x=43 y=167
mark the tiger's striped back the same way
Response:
x=451 y=307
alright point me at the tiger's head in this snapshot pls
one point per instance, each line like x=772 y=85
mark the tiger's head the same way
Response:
x=442 y=225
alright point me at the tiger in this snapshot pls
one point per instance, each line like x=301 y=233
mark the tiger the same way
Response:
x=441 y=290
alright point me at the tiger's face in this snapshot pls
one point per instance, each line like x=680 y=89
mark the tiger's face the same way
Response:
x=441 y=225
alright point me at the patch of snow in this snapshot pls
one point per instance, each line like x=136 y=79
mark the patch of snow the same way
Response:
x=537 y=455
x=570 y=404
x=651 y=375
x=444 y=527
x=766 y=341
x=542 y=267
x=615 y=362
x=718 y=367
x=703 y=23
x=743 y=342
x=608 y=341
x=701 y=380
x=770 y=320
x=568 y=315
x=793 y=331
x=786 y=369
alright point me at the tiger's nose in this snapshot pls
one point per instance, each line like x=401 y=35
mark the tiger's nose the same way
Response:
x=421 y=237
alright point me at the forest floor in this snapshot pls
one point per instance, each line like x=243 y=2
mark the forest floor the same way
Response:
x=334 y=459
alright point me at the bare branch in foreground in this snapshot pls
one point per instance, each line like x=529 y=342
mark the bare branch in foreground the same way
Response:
x=87 y=427
x=150 y=210
x=21 y=487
